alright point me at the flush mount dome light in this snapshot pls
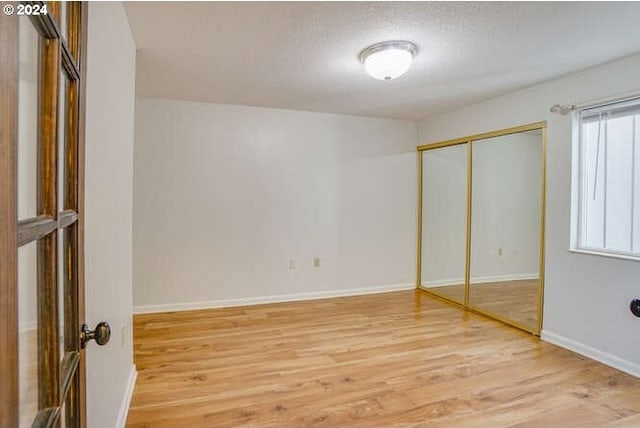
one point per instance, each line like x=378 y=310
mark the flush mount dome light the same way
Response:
x=388 y=60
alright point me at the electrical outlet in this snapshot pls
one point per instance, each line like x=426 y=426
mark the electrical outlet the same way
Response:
x=316 y=262
x=500 y=252
x=292 y=264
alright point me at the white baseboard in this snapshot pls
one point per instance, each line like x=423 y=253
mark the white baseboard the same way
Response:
x=126 y=400
x=246 y=301
x=443 y=282
x=595 y=354
x=501 y=278
x=481 y=279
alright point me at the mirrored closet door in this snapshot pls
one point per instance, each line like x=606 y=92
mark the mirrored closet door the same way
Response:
x=482 y=223
x=505 y=227
x=444 y=221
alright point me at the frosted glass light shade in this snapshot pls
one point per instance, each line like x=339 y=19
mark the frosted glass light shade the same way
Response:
x=388 y=64
x=388 y=60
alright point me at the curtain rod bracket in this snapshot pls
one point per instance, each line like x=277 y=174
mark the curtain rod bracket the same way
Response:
x=562 y=109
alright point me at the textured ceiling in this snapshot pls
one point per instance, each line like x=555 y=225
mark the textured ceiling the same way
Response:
x=303 y=55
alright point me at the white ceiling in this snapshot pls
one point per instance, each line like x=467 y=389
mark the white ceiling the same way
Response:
x=303 y=55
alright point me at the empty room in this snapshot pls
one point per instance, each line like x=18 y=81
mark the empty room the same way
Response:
x=322 y=214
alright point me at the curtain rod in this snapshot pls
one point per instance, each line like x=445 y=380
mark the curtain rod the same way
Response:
x=564 y=109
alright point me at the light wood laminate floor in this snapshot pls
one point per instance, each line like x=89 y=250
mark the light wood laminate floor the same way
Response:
x=516 y=300
x=401 y=359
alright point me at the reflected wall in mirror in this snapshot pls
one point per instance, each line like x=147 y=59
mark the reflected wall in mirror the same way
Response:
x=28 y=88
x=27 y=119
x=28 y=333
x=505 y=226
x=444 y=220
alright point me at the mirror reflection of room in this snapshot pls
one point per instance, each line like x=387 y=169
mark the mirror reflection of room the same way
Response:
x=481 y=223
x=444 y=219
x=505 y=226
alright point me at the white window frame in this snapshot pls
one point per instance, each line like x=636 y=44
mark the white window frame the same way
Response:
x=577 y=184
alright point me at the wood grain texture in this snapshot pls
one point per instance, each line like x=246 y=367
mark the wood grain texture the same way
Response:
x=78 y=32
x=41 y=228
x=48 y=350
x=8 y=221
x=402 y=359
x=454 y=292
x=517 y=300
x=74 y=130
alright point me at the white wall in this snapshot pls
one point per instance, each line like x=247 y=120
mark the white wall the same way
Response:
x=505 y=212
x=444 y=216
x=586 y=297
x=226 y=196
x=108 y=209
x=27 y=179
x=27 y=175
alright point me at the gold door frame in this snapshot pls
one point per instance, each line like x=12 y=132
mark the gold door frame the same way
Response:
x=469 y=141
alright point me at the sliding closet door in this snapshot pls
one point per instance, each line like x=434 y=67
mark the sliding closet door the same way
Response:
x=481 y=223
x=444 y=221
x=506 y=221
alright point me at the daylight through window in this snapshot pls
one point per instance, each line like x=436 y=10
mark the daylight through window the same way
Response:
x=609 y=187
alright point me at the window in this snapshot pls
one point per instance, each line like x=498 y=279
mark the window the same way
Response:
x=608 y=205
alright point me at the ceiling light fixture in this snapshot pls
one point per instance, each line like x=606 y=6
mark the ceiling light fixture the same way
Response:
x=388 y=60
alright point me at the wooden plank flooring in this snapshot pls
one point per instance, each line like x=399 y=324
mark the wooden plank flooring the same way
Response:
x=516 y=300
x=401 y=359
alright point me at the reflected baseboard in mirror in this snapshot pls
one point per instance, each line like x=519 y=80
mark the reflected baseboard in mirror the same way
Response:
x=454 y=292
x=443 y=188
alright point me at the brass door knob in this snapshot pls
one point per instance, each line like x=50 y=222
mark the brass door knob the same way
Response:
x=101 y=334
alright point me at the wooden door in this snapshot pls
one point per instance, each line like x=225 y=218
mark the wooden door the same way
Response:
x=42 y=87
